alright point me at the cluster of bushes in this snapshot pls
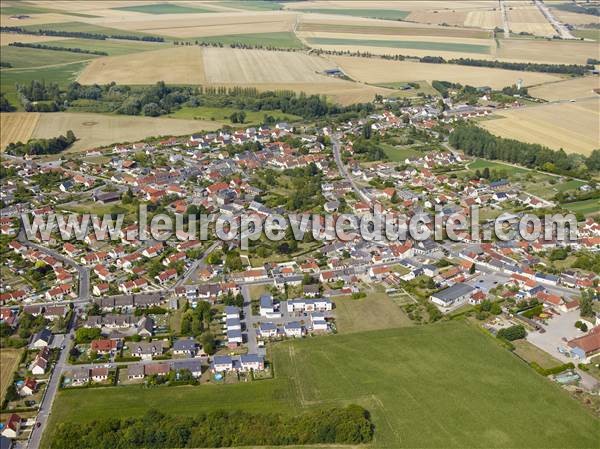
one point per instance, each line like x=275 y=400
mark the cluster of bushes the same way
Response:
x=55 y=48
x=42 y=146
x=550 y=371
x=475 y=141
x=533 y=312
x=512 y=333
x=350 y=425
x=5 y=65
x=37 y=96
x=81 y=34
x=5 y=105
x=369 y=149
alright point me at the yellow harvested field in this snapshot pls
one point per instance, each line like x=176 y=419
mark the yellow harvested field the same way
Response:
x=488 y=20
x=374 y=70
x=173 y=65
x=204 y=24
x=529 y=19
x=387 y=37
x=219 y=29
x=454 y=18
x=328 y=24
x=404 y=5
x=35 y=19
x=567 y=90
x=402 y=51
x=97 y=130
x=227 y=65
x=574 y=127
x=9 y=362
x=553 y=51
x=573 y=18
x=9 y=38
x=17 y=127
x=88 y=6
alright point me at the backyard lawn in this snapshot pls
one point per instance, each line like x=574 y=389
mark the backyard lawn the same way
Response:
x=224 y=114
x=376 y=311
x=9 y=361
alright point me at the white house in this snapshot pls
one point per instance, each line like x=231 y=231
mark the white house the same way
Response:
x=293 y=329
x=266 y=305
x=267 y=330
x=456 y=294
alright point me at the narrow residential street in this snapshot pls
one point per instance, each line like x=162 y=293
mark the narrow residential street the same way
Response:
x=53 y=384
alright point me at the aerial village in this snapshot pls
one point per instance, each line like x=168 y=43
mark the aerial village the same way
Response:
x=124 y=310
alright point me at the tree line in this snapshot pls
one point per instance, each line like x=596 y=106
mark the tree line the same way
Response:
x=242 y=45
x=81 y=34
x=570 y=69
x=475 y=141
x=154 y=429
x=55 y=48
x=42 y=146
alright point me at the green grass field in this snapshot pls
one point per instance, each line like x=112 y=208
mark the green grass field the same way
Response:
x=424 y=87
x=444 y=385
x=278 y=40
x=252 y=5
x=480 y=164
x=418 y=45
x=34 y=57
x=569 y=185
x=62 y=74
x=16 y=8
x=223 y=114
x=165 y=8
x=113 y=47
x=388 y=14
x=588 y=34
x=84 y=28
x=586 y=207
x=399 y=154
x=376 y=311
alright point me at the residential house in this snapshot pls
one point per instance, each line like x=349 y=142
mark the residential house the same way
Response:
x=42 y=338
x=267 y=330
x=252 y=362
x=145 y=350
x=185 y=346
x=28 y=387
x=293 y=329
x=99 y=374
x=12 y=427
x=453 y=295
x=104 y=346
x=584 y=348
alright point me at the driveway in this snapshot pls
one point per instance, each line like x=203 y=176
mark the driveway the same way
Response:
x=559 y=329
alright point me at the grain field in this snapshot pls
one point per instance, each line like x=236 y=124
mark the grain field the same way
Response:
x=574 y=127
x=176 y=65
x=17 y=127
